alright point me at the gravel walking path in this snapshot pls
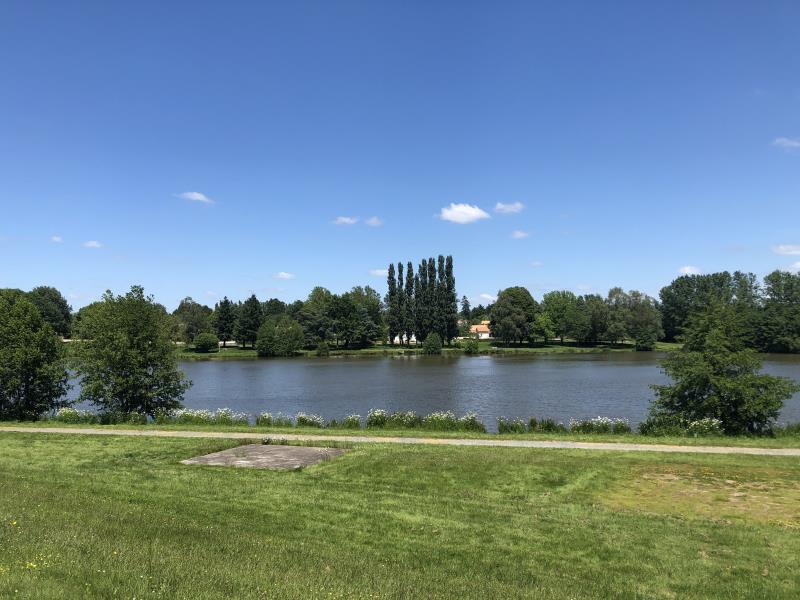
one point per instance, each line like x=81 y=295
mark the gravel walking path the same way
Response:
x=553 y=444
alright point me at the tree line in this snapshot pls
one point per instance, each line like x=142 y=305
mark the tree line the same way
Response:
x=421 y=302
x=515 y=317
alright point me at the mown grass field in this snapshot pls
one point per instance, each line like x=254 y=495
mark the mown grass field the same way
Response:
x=485 y=347
x=103 y=517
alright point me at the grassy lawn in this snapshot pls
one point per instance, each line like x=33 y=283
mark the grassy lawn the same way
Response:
x=782 y=441
x=485 y=347
x=88 y=517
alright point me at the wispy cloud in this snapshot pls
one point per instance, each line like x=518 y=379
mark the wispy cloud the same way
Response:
x=787 y=249
x=488 y=297
x=283 y=275
x=463 y=213
x=374 y=222
x=56 y=239
x=195 y=197
x=537 y=263
x=518 y=234
x=378 y=272
x=508 y=209
x=689 y=270
x=787 y=143
x=795 y=267
x=345 y=220
x=92 y=244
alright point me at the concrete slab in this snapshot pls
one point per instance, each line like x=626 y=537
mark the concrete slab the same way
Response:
x=261 y=456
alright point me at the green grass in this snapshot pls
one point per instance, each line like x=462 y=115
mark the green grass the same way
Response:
x=89 y=517
x=781 y=441
x=485 y=347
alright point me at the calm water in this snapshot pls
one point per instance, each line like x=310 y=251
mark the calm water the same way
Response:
x=559 y=386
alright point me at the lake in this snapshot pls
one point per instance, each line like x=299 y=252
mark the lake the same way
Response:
x=561 y=386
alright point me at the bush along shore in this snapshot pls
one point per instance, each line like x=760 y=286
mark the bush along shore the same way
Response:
x=379 y=419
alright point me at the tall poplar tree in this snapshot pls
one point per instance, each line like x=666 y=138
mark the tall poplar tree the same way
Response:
x=392 y=306
x=451 y=313
x=410 y=307
x=401 y=304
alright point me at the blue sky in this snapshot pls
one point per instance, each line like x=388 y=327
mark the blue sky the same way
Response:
x=209 y=148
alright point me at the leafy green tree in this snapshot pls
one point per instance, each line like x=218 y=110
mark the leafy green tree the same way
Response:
x=690 y=293
x=513 y=315
x=778 y=326
x=224 y=320
x=599 y=313
x=192 y=319
x=618 y=315
x=279 y=336
x=33 y=378
x=357 y=318
x=127 y=362
x=432 y=344
x=53 y=307
x=543 y=327
x=206 y=342
x=559 y=306
x=248 y=320
x=273 y=307
x=715 y=377
x=644 y=321
x=578 y=320
x=316 y=316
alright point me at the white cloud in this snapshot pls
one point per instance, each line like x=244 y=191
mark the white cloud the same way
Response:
x=345 y=220
x=488 y=297
x=374 y=222
x=537 y=263
x=92 y=244
x=689 y=270
x=56 y=239
x=518 y=234
x=795 y=268
x=379 y=272
x=787 y=249
x=195 y=197
x=283 y=275
x=508 y=209
x=463 y=213
x=787 y=143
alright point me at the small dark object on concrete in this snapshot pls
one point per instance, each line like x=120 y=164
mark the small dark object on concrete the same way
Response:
x=262 y=456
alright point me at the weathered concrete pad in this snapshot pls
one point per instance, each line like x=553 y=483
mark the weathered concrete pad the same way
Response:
x=261 y=456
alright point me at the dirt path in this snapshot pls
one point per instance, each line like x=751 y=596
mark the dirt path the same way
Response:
x=619 y=447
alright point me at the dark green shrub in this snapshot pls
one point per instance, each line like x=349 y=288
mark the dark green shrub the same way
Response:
x=471 y=346
x=206 y=342
x=432 y=344
x=323 y=349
